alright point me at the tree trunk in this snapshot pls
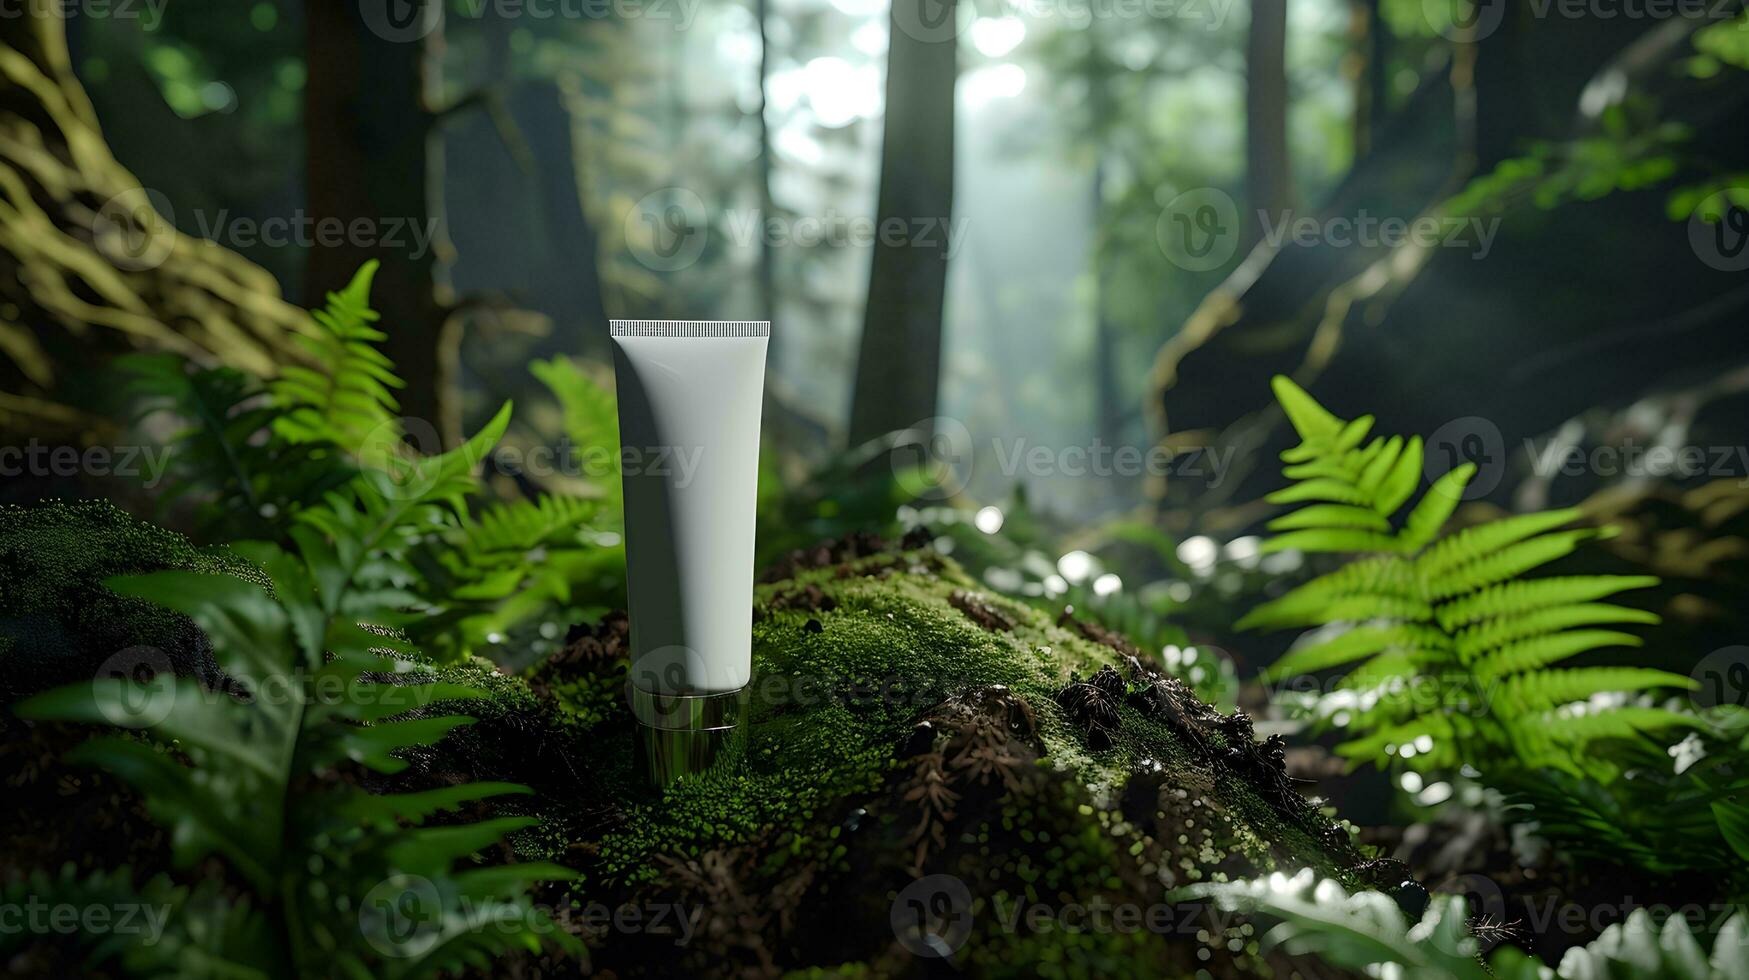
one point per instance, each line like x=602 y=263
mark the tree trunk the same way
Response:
x=1268 y=180
x=1109 y=405
x=767 y=258
x=375 y=175
x=1370 y=41
x=90 y=265
x=899 y=364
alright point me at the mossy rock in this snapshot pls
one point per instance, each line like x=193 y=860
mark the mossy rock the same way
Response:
x=59 y=623
x=916 y=748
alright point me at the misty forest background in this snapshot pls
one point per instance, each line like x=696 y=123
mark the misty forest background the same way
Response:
x=522 y=173
x=1118 y=223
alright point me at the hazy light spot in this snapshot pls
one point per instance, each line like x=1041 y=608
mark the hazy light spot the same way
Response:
x=1245 y=550
x=995 y=82
x=1107 y=584
x=870 y=38
x=996 y=36
x=1075 y=566
x=988 y=519
x=840 y=92
x=1434 y=795
x=1055 y=585
x=860 y=8
x=1199 y=553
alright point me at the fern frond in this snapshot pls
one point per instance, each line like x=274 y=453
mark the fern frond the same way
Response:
x=524 y=524
x=1514 y=598
x=1367 y=934
x=1478 y=542
x=1331 y=516
x=346 y=400
x=1359 y=644
x=1303 y=605
x=1548 y=689
x=1505 y=564
x=1447 y=645
x=1470 y=643
x=1541 y=651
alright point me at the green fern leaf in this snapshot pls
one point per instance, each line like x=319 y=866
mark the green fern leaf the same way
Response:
x=1523 y=597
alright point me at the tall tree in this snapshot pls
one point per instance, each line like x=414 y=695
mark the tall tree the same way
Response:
x=899 y=362
x=375 y=170
x=1370 y=40
x=89 y=265
x=767 y=273
x=1268 y=176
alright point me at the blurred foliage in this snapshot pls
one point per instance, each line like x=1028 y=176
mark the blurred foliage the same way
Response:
x=1675 y=810
x=1368 y=933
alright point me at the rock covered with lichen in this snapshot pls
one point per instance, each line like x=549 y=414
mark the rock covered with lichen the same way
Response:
x=932 y=775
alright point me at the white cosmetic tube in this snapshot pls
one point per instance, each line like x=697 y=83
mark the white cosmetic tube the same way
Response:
x=690 y=395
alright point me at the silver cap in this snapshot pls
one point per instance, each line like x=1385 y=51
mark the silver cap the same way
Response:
x=683 y=734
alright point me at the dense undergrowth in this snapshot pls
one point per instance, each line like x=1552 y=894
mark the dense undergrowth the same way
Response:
x=375 y=724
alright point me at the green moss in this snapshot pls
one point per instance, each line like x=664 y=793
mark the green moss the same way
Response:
x=59 y=623
x=822 y=803
x=831 y=703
